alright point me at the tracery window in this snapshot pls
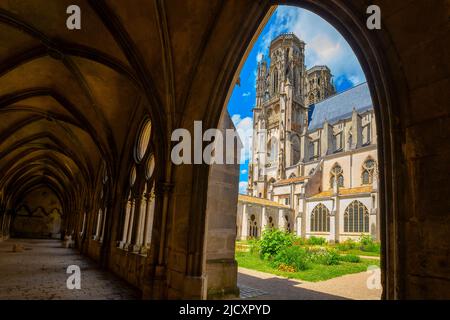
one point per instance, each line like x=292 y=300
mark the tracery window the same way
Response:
x=320 y=219
x=338 y=141
x=368 y=169
x=275 y=81
x=140 y=203
x=356 y=217
x=336 y=174
x=253 y=227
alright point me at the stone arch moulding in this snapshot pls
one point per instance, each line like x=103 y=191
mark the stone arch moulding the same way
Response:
x=388 y=91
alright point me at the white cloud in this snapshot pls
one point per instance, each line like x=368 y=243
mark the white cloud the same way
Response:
x=244 y=127
x=243 y=171
x=243 y=187
x=259 y=56
x=324 y=44
x=246 y=94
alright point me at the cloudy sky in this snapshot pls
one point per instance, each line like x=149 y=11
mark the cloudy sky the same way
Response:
x=324 y=46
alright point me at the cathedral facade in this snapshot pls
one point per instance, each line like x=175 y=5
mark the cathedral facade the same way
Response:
x=313 y=169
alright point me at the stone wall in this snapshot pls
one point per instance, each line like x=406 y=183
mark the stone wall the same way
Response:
x=38 y=215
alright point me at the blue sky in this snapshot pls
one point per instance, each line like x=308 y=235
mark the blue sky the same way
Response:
x=324 y=46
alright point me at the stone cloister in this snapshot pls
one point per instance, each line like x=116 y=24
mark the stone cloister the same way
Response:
x=88 y=116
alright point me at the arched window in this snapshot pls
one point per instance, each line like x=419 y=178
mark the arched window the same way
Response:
x=271 y=224
x=311 y=99
x=272 y=149
x=143 y=139
x=356 y=217
x=368 y=171
x=336 y=174
x=253 y=227
x=295 y=147
x=320 y=219
x=275 y=81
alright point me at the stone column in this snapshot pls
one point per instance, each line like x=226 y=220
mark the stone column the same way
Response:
x=244 y=228
x=130 y=224
x=281 y=220
x=263 y=219
x=125 y=224
x=149 y=221
x=299 y=225
x=98 y=224
x=102 y=233
x=140 y=222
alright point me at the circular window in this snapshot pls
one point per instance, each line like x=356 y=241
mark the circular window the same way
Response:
x=133 y=176
x=144 y=139
x=150 y=167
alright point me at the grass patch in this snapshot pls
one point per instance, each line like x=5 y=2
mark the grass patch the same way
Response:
x=360 y=252
x=316 y=272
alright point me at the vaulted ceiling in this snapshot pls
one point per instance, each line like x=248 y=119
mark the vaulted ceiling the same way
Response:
x=68 y=98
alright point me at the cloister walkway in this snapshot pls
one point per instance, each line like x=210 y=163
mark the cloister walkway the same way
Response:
x=39 y=272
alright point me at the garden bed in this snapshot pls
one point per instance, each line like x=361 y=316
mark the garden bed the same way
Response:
x=310 y=259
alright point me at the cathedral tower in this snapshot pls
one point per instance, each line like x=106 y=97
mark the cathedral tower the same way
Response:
x=280 y=114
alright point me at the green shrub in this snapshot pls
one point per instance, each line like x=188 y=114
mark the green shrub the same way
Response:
x=314 y=241
x=367 y=244
x=255 y=246
x=299 y=241
x=325 y=256
x=365 y=239
x=347 y=245
x=371 y=247
x=350 y=258
x=273 y=241
x=294 y=256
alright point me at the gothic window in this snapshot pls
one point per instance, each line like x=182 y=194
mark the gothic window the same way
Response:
x=338 y=141
x=271 y=224
x=272 y=149
x=295 y=147
x=253 y=227
x=336 y=174
x=314 y=149
x=150 y=167
x=356 y=217
x=311 y=99
x=140 y=203
x=133 y=176
x=143 y=139
x=368 y=171
x=311 y=172
x=275 y=81
x=366 y=134
x=320 y=219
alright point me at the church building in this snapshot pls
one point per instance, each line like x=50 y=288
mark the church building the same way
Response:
x=313 y=169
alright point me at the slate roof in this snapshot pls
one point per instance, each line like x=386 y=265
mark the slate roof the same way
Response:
x=340 y=106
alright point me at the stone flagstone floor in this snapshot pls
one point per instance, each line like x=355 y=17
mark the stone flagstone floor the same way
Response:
x=39 y=272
